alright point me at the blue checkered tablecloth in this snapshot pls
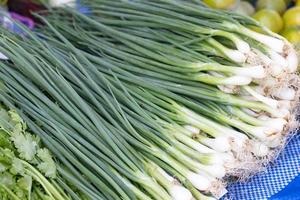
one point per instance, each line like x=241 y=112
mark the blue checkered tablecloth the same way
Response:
x=280 y=181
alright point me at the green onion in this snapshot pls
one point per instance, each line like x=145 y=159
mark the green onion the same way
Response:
x=150 y=99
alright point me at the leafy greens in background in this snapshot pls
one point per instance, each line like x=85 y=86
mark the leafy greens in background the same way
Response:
x=26 y=168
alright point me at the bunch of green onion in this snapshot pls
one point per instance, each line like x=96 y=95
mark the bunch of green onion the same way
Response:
x=157 y=99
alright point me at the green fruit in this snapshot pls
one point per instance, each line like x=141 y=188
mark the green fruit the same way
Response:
x=292 y=17
x=292 y=34
x=245 y=8
x=220 y=4
x=270 y=19
x=277 y=5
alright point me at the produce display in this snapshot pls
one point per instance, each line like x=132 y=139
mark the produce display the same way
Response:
x=141 y=100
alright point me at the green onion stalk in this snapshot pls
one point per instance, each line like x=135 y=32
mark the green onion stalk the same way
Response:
x=255 y=132
x=278 y=63
x=240 y=79
x=259 y=130
x=82 y=152
x=75 y=147
x=126 y=107
x=197 y=76
x=267 y=38
x=120 y=53
x=218 y=78
x=63 y=132
x=203 y=140
x=172 y=22
x=192 y=165
x=229 y=27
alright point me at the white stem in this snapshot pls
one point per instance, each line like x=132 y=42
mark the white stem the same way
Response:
x=270 y=102
x=242 y=46
x=200 y=181
x=292 y=59
x=3 y=57
x=259 y=149
x=232 y=80
x=263 y=132
x=269 y=82
x=278 y=59
x=216 y=170
x=179 y=192
x=269 y=41
x=285 y=104
x=249 y=98
x=250 y=112
x=253 y=72
x=192 y=143
x=229 y=89
x=258 y=133
x=274 y=68
x=199 y=121
x=264 y=58
x=220 y=144
x=57 y=3
x=233 y=133
x=220 y=130
x=285 y=93
x=202 y=149
x=192 y=129
x=277 y=124
x=165 y=175
x=227 y=157
x=264 y=117
x=282 y=93
x=217 y=158
x=282 y=113
x=239 y=143
x=235 y=55
x=237 y=80
x=274 y=141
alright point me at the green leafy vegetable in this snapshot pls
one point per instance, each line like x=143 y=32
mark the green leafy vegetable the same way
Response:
x=26 y=169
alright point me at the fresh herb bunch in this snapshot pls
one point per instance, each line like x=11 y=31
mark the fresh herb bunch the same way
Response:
x=27 y=170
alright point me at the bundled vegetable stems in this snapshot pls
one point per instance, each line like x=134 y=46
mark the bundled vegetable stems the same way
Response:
x=157 y=99
x=28 y=171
